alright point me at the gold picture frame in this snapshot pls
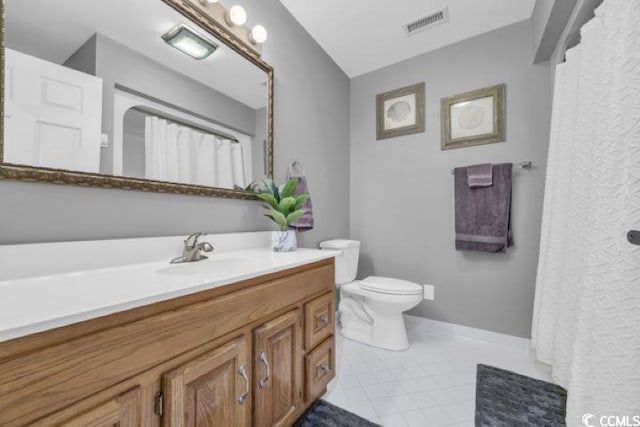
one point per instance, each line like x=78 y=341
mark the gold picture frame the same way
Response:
x=58 y=176
x=474 y=118
x=400 y=112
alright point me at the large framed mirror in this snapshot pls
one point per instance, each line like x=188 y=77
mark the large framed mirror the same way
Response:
x=150 y=95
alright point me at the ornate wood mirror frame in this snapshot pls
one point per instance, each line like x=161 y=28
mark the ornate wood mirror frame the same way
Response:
x=57 y=176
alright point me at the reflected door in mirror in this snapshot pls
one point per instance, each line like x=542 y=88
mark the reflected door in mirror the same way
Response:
x=52 y=115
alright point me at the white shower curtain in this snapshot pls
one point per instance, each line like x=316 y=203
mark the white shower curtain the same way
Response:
x=177 y=153
x=586 y=321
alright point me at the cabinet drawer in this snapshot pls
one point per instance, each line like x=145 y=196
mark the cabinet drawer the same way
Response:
x=319 y=368
x=318 y=320
x=123 y=410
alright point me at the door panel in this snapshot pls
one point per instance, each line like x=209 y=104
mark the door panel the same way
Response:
x=122 y=411
x=318 y=320
x=53 y=115
x=278 y=370
x=319 y=369
x=212 y=390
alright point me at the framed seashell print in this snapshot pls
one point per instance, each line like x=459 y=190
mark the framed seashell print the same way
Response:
x=400 y=112
x=474 y=118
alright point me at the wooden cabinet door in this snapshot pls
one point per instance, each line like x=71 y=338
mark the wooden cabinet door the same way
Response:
x=277 y=361
x=211 y=390
x=121 y=411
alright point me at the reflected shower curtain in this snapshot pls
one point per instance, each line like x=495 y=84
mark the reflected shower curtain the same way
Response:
x=586 y=321
x=177 y=153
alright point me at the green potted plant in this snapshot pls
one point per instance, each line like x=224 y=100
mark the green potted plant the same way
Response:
x=283 y=208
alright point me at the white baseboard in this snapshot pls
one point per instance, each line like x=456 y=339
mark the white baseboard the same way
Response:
x=421 y=324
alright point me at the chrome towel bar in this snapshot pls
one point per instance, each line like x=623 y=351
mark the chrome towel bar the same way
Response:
x=522 y=165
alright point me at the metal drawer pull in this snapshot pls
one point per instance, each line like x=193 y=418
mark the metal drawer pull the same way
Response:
x=263 y=359
x=242 y=371
x=634 y=237
x=325 y=369
x=324 y=320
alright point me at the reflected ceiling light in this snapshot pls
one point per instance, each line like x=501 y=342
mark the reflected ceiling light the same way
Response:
x=236 y=15
x=258 y=34
x=189 y=42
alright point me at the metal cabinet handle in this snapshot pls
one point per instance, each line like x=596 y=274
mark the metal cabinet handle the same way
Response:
x=242 y=371
x=263 y=359
x=324 y=320
x=325 y=369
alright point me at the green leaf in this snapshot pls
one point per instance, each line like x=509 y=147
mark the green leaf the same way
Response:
x=294 y=216
x=269 y=199
x=289 y=188
x=300 y=200
x=279 y=218
x=287 y=205
x=276 y=193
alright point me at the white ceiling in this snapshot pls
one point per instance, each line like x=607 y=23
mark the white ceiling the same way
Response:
x=365 y=35
x=54 y=29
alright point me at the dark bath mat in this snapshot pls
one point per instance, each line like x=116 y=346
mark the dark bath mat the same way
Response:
x=507 y=399
x=324 y=414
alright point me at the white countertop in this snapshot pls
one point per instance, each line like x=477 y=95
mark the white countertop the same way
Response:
x=41 y=303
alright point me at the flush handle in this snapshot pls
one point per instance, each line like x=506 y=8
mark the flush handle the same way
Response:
x=634 y=237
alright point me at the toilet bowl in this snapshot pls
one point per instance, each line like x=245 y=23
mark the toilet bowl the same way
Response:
x=371 y=310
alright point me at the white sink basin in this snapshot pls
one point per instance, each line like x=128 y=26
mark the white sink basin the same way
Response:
x=211 y=267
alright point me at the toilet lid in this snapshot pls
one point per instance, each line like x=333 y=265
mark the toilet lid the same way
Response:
x=385 y=285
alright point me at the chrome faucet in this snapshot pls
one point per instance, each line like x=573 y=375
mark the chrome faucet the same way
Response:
x=193 y=249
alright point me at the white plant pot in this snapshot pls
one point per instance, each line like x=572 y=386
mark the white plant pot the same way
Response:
x=284 y=241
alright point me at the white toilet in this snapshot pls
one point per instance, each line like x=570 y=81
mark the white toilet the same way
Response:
x=371 y=309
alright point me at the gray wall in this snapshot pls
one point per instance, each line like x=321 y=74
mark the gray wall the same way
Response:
x=402 y=189
x=549 y=19
x=311 y=125
x=259 y=145
x=133 y=144
x=84 y=58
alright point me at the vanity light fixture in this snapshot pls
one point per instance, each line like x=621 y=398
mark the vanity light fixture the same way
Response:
x=189 y=42
x=258 y=34
x=236 y=16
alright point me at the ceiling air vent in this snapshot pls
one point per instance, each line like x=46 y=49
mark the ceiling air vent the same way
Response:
x=438 y=17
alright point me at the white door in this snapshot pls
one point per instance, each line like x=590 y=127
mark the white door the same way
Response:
x=53 y=115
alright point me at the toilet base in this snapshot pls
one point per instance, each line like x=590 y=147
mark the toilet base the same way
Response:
x=368 y=339
x=358 y=323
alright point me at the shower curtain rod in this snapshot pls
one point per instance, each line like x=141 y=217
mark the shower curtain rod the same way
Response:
x=168 y=117
x=522 y=165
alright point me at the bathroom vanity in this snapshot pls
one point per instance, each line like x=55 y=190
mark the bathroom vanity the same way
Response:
x=252 y=348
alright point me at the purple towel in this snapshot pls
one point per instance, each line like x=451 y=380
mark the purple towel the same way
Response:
x=483 y=214
x=480 y=175
x=305 y=223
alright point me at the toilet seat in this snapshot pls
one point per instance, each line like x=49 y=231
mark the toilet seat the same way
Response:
x=389 y=286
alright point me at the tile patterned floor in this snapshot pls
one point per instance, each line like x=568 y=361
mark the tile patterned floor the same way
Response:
x=430 y=384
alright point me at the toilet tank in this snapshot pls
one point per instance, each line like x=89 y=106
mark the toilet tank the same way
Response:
x=347 y=263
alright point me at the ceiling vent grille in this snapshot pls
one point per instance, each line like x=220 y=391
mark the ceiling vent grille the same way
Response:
x=438 y=17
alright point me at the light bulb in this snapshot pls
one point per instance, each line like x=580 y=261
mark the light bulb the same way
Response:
x=236 y=15
x=258 y=34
